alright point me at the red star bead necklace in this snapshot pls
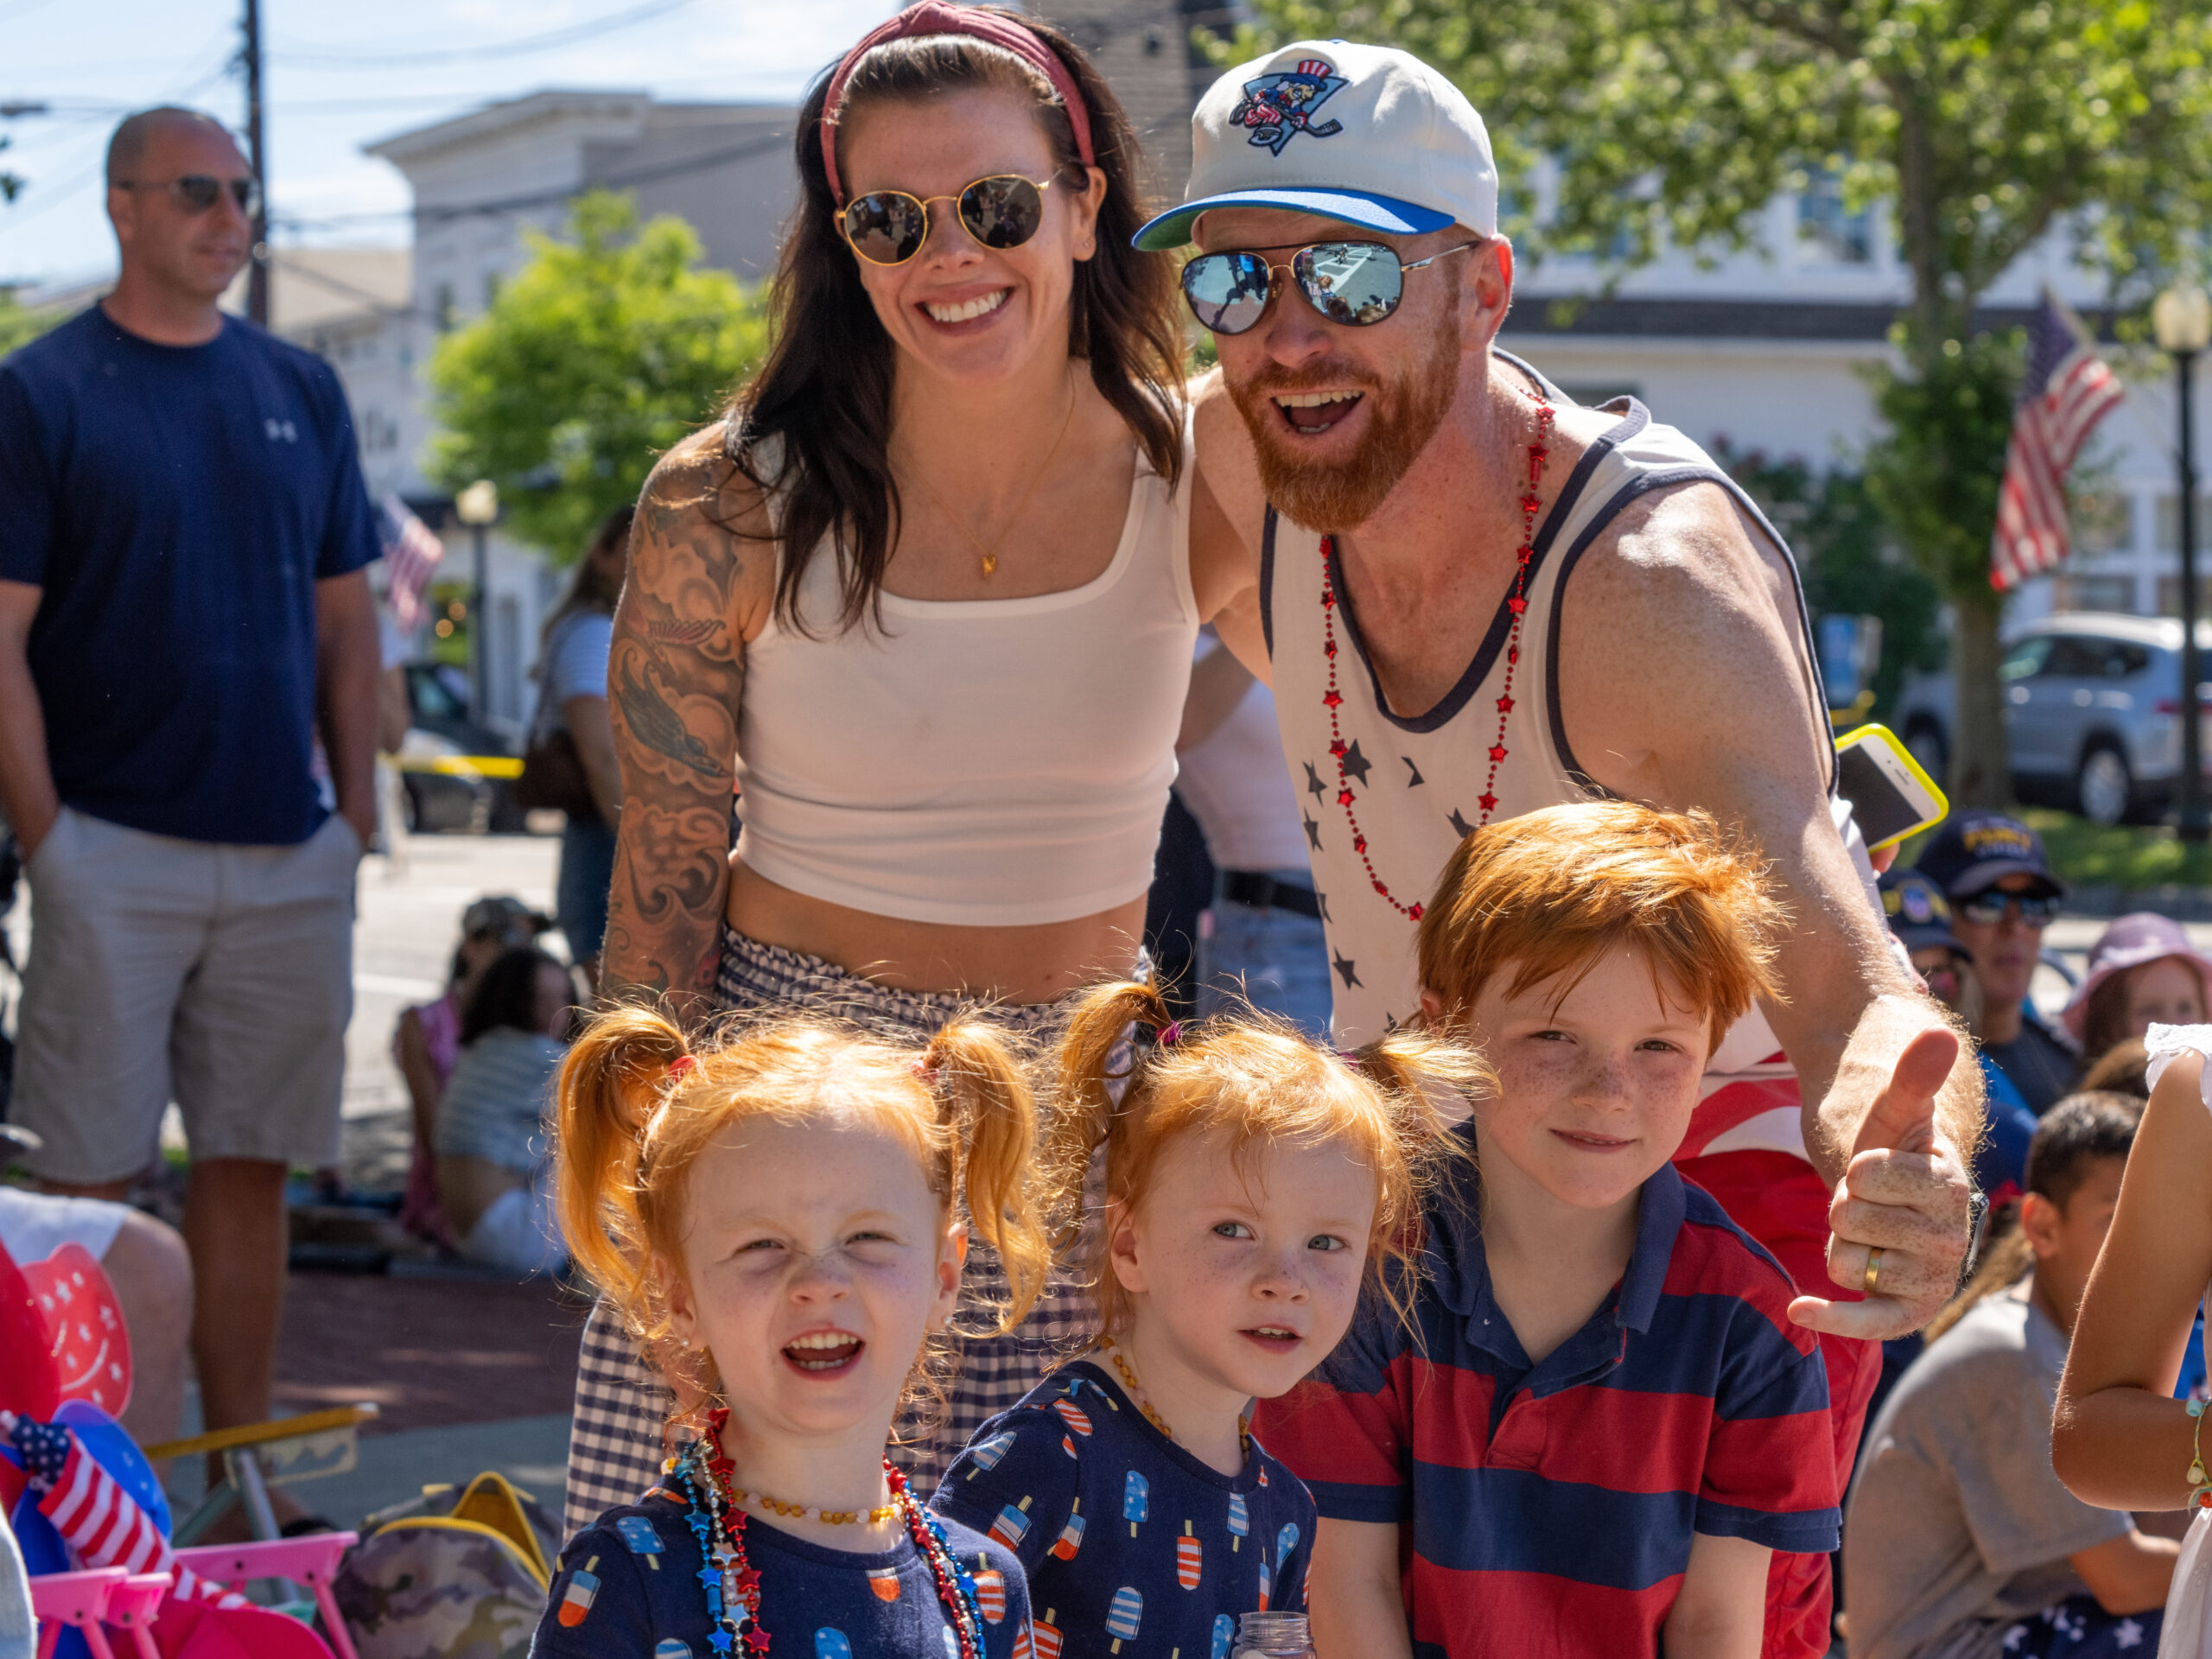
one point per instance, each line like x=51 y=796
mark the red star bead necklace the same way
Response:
x=1516 y=602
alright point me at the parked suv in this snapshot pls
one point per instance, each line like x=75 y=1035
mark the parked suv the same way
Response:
x=2092 y=713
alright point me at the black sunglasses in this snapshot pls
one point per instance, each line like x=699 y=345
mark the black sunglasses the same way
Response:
x=888 y=227
x=197 y=191
x=1988 y=908
x=1355 y=284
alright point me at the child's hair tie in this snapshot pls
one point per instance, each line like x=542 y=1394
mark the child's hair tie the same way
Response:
x=925 y=1069
x=681 y=1067
x=1169 y=1034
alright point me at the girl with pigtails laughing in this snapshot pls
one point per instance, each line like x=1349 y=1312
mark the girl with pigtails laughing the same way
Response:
x=1255 y=1184
x=781 y=1216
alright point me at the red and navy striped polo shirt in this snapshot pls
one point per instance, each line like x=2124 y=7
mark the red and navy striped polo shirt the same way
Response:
x=1550 y=1507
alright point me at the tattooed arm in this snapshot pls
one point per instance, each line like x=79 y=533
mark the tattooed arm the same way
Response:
x=696 y=588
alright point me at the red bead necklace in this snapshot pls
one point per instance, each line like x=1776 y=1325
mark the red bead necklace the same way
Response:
x=1516 y=602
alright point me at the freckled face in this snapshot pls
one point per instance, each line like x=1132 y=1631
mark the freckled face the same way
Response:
x=1595 y=1087
x=957 y=309
x=815 y=1259
x=1250 y=1265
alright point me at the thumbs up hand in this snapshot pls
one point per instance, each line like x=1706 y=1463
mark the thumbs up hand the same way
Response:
x=1903 y=1194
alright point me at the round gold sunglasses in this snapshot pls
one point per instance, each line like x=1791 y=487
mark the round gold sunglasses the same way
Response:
x=888 y=227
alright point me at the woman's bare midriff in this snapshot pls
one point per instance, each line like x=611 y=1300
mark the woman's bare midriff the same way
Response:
x=1010 y=964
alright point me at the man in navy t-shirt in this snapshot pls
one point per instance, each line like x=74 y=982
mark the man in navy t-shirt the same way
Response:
x=183 y=610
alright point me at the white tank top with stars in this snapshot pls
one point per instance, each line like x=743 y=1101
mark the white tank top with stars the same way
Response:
x=1417 y=780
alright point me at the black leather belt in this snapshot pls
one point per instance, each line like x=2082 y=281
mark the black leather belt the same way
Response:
x=1262 y=891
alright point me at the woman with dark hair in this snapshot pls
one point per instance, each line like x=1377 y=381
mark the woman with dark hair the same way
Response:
x=572 y=698
x=924 y=592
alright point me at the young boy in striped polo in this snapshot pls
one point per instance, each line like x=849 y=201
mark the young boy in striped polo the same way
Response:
x=1603 y=1423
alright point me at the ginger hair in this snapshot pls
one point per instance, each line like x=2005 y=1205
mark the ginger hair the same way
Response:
x=1254 y=1081
x=1551 y=891
x=631 y=1121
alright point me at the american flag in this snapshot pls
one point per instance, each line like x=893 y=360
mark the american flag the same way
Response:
x=411 y=554
x=101 y=1524
x=2069 y=389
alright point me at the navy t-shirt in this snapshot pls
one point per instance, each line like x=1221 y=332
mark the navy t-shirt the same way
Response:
x=178 y=503
x=1132 y=1545
x=629 y=1588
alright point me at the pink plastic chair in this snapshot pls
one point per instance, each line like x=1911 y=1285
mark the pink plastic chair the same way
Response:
x=76 y=1601
x=132 y=1608
x=311 y=1559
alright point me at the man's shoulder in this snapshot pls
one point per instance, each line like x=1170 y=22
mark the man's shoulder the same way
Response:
x=283 y=354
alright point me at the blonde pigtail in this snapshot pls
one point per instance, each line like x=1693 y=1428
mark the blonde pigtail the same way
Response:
x=1084 y=1105
x=615 y=1075
x=982 y=1083
x=1418 y=1076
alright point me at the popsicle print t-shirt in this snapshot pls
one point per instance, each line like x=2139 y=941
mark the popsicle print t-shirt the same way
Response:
x=1132 y=1546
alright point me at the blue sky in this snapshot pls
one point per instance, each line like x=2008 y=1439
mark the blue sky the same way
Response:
x=340 y=76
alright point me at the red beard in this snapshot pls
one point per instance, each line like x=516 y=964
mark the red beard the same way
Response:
x=1341 y=495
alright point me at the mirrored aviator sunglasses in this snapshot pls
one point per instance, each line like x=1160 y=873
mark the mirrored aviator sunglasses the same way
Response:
x=888 y=227
x=1355 y=283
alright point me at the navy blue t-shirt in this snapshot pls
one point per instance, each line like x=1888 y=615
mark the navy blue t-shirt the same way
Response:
x=178 y=503
x=1132 y=1545
x=629 y=1588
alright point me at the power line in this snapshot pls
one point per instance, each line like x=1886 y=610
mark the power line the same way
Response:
x=526 y=44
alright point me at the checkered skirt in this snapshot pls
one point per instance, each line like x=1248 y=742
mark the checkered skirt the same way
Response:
x=621 y=1430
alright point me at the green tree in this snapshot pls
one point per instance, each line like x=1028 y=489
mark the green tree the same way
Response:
x=603 y=351
x=1986 y=124
x=19 y=326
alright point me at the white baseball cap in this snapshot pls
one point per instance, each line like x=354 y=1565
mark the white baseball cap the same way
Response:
x=1366 y=134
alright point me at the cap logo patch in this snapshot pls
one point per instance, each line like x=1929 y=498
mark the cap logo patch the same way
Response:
x=1277 y=106
x=1983 y=839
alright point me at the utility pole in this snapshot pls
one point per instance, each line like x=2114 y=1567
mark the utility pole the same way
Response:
x=257 y=280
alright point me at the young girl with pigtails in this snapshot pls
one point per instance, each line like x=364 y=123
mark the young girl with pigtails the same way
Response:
x=1255 y=1184
x=782 y=1215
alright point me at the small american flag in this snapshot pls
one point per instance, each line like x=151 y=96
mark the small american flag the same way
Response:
x=101 y=1524
x=411 y=554
x=2069 y=389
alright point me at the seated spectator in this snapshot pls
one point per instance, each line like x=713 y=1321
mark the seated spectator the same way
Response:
x=144 y=1260
x=426 y=1043
x=1993 y=870
x=1921 y=918
x=493 y=1157
x=2143 y=972
x=1960 y=1543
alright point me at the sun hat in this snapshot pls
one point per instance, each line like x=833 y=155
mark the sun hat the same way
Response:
x=1976 y=850
x=2131 y=941
x=1368 y=135
x=1919 y=914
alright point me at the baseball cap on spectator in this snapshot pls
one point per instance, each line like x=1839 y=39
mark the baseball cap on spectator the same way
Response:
x=1919 y=914
x=502 y=914
x=1974 y=851
x=1367 y=135
x=2131 y=941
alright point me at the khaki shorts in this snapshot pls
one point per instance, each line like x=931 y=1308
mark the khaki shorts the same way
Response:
x=218 y=976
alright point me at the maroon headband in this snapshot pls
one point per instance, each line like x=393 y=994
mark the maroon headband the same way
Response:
x=936 y=18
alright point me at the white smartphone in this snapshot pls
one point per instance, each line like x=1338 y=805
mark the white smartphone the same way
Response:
x=1890 y=795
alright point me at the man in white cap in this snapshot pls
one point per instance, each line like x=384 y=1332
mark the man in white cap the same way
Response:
x=1474 y=598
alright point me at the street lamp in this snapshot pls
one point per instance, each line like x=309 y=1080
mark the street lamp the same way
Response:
x=477 y=506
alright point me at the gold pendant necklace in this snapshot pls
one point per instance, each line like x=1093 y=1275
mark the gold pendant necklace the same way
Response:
x=990 y=551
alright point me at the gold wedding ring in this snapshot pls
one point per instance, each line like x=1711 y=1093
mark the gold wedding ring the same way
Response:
x=1873 y=1270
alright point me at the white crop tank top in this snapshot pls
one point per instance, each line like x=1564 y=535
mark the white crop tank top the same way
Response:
x=1417 y=781
x=1001 y=762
